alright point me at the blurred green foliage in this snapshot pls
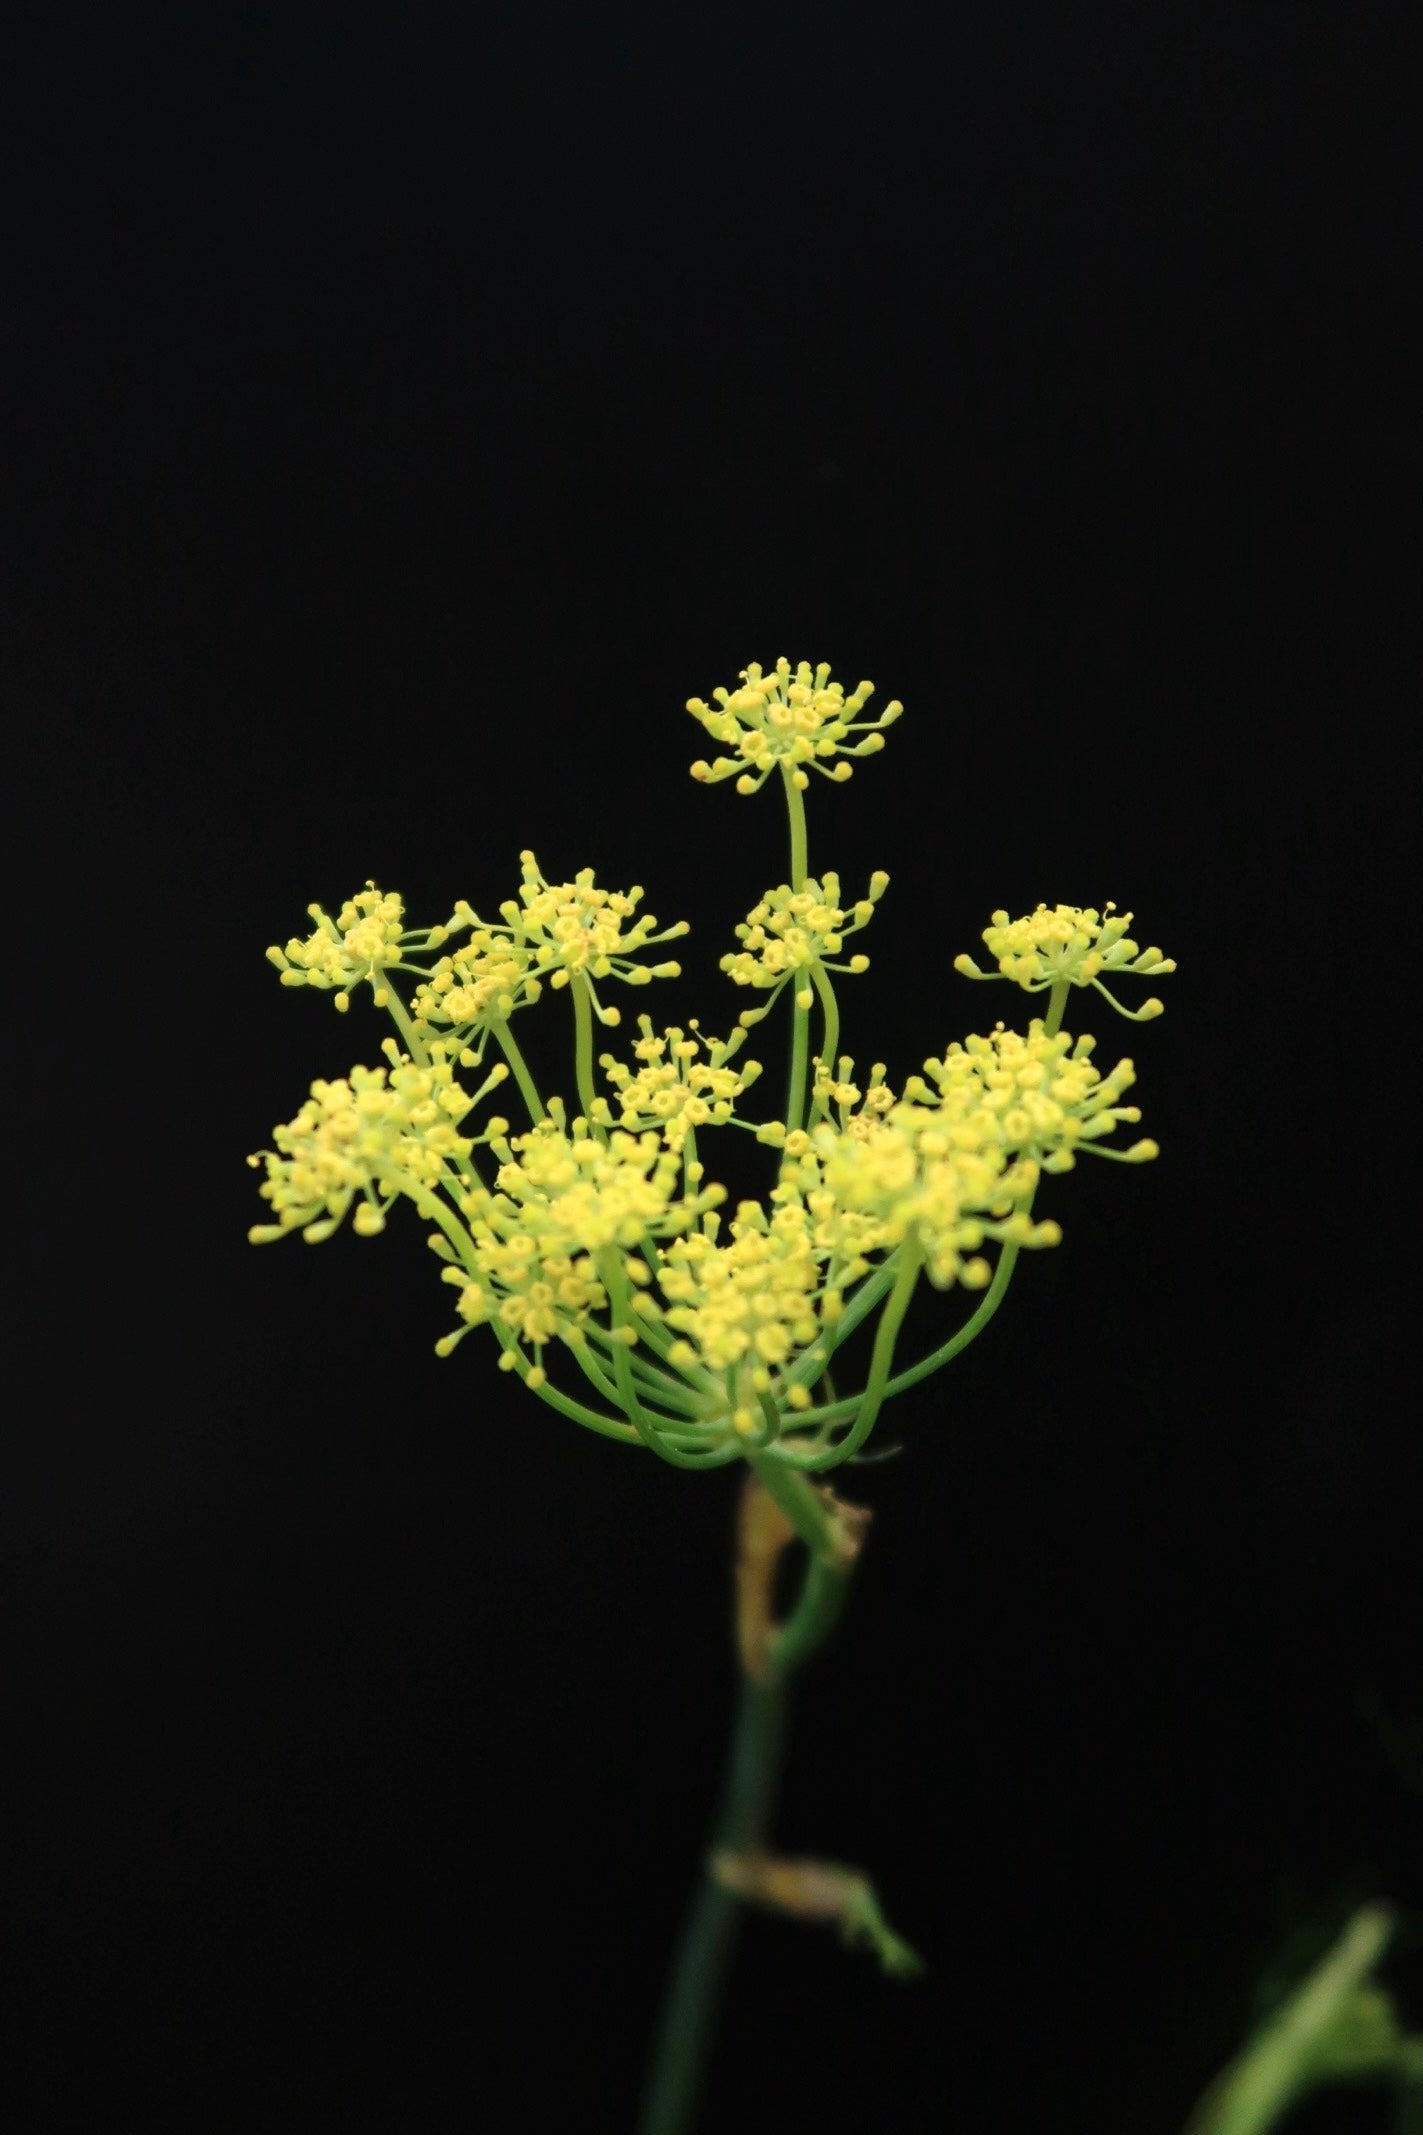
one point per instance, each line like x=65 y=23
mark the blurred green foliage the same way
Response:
x=1336 y=2026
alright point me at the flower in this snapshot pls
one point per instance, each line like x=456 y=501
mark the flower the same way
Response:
x=745 y=1308
x=796 y=720
x=373 y=1133
x=552 y=931
x=955 y=1160
x=367 y=936
x=535 y=1298
x=480 y=983
x=1067 y=943
x=602 y=1231
x=790 y=931
x=673 y=1091
x=901 y=1175
x=856 y=1107
x=562 y=1197
x=573 y=928
x=1036 y=1097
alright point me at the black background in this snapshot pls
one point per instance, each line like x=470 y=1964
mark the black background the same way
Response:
x=411 y=416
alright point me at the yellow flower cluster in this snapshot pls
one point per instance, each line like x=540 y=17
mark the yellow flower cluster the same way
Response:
x=790 y=930
x=955 y=1159
x=372 y=1133
x=1037 y=1097
x=367 y=935
x=538 y=1298
x=562 y=1196
x=674 y=1091
x=869 y=1189
x=601 y=1231
x=1065 y=943
x=856 y=1107
x=799 y=719
x=481 y=982
x=555 y=930
x=751 y=1302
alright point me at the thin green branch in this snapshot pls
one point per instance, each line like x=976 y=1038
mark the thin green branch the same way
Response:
x=591 y=1419
x=672 y=1392
x=911 y=1260
x=842 y=1411
x=830 y=1035
x=616 y=1284
x=818 y=1609
x=508 y=1045
x=583 y=1044
x=800 y=1053
x=795 y=809
x=1057 y=1003
x=398 y=1016
x=674 y=1428
x=432 y=1207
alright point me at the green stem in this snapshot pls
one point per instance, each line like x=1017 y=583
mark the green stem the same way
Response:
x=815 y=1614
x=807 y=1508
x=564 y=1404
x=704 y=1953
x=583 y=1044
x=509 y=1046
x=800 y=1051
x=992 y=1298
x=911 y=1260
x=674 y=1393
x=402 y=1022
x=842 y=1411
x=675 y=1426
x=616 y=1284
x=1056 y=1004
x=795 y=808
x=830 y=1036
x=432 y=1207
x=748 y=1801
x=811 y=1365
x=800 y=1028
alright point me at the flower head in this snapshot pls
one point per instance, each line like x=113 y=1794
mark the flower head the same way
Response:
x=479 y=983
x=745 y=1308
x=372 y=1133
x=955 y=1159
x=602 y=1232
x=869 y=1189
x=1037 y=1097
x=683 y=1082
x=562 y=1197
x=367 y=936
x=575 y=927
x=1066 y=944
x=549 y=933
x=797 y=718
x=790 y=931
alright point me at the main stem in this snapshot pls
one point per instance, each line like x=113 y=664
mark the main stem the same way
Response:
x=704 y=1954
x=748 y=1797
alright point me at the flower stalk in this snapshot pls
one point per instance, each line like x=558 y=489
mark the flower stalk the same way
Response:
x=776 y=1509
